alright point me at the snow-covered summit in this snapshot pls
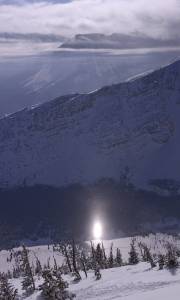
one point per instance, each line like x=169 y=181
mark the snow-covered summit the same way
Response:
x=132 y=126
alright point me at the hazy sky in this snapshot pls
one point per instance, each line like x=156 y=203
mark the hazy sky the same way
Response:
x=157 y=18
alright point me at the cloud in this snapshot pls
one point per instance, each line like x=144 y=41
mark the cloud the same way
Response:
x=32 y=37
x=158 y=19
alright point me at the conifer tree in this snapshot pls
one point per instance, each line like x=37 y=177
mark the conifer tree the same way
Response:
x=147 y=256
x=28 y=284
x=38 y=267
x=92 y=250
x=83 y=262
x=17 y=269
x=55 y=264
x=54 y=287
x=93 y=257
x=133 y=255
x=111 y=258
x=119 y=261
x=77 y=276
x=171 y=257
x=161 y=261
x=67 y=258
x=150 y=258
x=104 y=256
x=7 y=292
x=15 y=273
x=48 y=263
x=141 y=248
x=9 y=274
x=99 y=256
x=104 y=253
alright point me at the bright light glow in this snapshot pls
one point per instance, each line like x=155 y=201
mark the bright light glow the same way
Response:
x=97 y=230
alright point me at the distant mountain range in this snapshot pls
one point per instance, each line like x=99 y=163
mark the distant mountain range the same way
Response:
x=117 y=41
x=129 y=130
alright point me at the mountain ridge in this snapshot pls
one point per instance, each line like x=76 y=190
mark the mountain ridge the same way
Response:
x=127 y=129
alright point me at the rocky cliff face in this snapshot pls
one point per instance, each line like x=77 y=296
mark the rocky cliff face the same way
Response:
x=132 y=126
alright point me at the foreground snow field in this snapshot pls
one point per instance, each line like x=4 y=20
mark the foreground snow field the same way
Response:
x=138 y=282
x=130 y=282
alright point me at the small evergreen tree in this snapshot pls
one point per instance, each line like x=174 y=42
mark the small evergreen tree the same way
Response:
x=9 y=275
x=67 y=258
x=15 y=273
x=17 y=270
x=144 y=251
x=77 y=276
x=141 y=248
x=147 y=256
x=99 y=256
x=48 y=263
x=28 y=284
x=55 y=264
x=133 y=255
x=92 y=261
x=38 y=267
x=111 y=258
x=7 y=292
x=83 y=263
x=171 y=257
x=104 y=257
x=151 y=261
x=161 y=261
x=119 y=261
x=54 y=287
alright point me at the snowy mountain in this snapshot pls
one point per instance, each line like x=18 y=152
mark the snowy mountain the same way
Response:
x=116 y=41
x=130 y=130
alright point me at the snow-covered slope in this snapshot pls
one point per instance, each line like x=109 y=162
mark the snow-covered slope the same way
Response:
x=127 y=282
x=30 y=79
x=132 y=126
x=130 y=283
x=156 y=242
x=45 y=255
